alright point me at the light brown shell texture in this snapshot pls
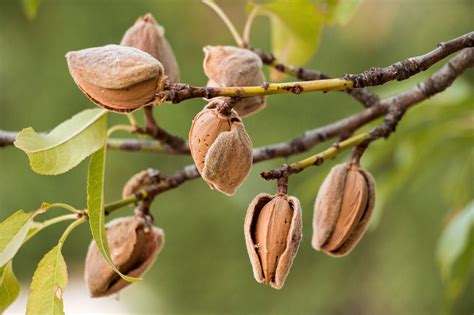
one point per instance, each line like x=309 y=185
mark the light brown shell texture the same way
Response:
x=133 y=248
x=147 y=35
x=272 y=267
x=227 y=66
x=221 y=148
x=118 y=78
x=343 y=209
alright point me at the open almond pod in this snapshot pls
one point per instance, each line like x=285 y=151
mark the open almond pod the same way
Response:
x=273 y=231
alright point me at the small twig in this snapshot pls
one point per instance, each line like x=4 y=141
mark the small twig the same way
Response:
x=248 y=26
x=226 y=20
x=170 y=142
x=178 y=92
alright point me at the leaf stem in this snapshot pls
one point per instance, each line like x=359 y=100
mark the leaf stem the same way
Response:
x=64 y=206
x=42 y=225
x=248 y=26
x=70 y=228
x=226 y=20
x=118 y=128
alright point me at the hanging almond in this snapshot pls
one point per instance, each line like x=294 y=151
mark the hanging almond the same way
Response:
x=343 y=209
x=273 y=231
x=134 y=246
x=231 y=66
x=221 y=148
x=118 y=78
x=147 y=35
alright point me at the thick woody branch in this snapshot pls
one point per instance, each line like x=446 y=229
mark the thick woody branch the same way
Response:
x=364 y=96
x=393 y=108
x=405 y=69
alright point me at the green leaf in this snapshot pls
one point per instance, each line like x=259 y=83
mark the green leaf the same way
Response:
x=455 y=252
x=95 y=206
x=296 y=27
x=13 y=231
x=30 y=8
x=48 y=284
x=67 y=145
x=9 y=287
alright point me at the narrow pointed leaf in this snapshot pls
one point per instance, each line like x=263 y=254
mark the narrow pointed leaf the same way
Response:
x=9 y=287
x=67 y=145
x=296 y=27
x=13 y=231
x=95 y=206
x=48 y=284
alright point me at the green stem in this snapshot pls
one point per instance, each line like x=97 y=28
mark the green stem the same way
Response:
x=42 y=225
x=115 y=205
x=226 y=20
x=318 y=159
x=70 y=228
x=64 y=206
x=288 y=87
x=118 y=128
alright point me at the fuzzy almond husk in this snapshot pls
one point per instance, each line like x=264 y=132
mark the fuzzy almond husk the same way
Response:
x=342 y=209
x=221 y=148
x=273 y=231
x=115 y=77
x=147 y=35
x=231 y=66
x=133 y=246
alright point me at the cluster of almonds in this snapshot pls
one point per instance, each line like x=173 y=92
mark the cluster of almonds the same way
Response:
x=273 y=224
x=126 y=77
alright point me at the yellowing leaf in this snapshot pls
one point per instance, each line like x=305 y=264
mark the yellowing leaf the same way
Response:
x=95 y=208
x=13 y=231
x=296 y=27
x=67 y=145
x=48 y=284
x=9 y=287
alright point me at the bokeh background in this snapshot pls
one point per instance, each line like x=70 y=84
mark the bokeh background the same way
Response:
x=424 y=172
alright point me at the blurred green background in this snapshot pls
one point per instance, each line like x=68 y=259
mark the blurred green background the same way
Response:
x=424 y=172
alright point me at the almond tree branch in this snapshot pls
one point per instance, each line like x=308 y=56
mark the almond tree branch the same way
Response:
x=402 y=70
x=392 y=107
x=364 y=96
x=171 y=143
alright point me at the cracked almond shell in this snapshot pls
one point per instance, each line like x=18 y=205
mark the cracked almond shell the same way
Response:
x=231 y=66
x=221 y=148
x=273 y=231
x=147 y=35
x=343 y=209
x=133 y=246
x=118 y=78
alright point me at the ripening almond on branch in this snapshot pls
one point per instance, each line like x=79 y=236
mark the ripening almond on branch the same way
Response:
x=343 y=209
x=220 y=147
x=118 y=78
x=134 y=246
x=147 y=35
x=231 y=66
x=273 y=231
